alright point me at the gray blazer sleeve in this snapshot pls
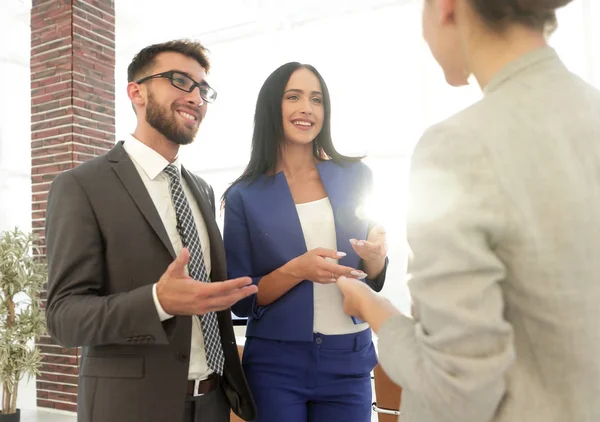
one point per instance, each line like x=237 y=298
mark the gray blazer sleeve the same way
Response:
x=77 y=312
x=451 y=357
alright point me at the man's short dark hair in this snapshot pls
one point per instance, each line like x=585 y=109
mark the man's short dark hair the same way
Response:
x=146 y=57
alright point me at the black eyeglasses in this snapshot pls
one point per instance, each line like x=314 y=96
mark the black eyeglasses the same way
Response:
x=185 y=83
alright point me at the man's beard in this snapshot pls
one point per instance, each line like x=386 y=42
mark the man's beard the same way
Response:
x=164 y=121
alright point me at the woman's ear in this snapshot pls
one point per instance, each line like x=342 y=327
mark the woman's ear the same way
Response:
x=446 y=11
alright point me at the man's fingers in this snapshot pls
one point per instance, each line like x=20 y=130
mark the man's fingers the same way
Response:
x=221 y=288
x=225 y=301
x=177 y=267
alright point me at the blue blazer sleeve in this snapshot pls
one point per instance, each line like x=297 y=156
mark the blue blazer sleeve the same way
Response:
x=377 y=283
x=238 y=252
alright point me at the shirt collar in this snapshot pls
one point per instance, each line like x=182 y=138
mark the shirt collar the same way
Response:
x=150 y=161
x=520 y=65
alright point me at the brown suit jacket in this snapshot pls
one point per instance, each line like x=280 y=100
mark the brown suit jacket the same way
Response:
x=106 y=246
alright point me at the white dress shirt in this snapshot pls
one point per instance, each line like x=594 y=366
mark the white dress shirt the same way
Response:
x=318 y=227
x=150 y=165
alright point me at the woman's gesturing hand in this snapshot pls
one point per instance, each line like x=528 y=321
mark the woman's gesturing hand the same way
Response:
x=316 y=265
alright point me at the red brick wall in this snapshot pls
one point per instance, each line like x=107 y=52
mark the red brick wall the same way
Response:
x=72 y=120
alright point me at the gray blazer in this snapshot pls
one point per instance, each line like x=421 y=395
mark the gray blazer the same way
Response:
x=504 y=227
x=106 y=246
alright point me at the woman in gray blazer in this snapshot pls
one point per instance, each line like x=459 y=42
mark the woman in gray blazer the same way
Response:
x=504 y=228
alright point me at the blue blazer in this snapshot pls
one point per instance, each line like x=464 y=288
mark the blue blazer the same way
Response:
x=262 y=232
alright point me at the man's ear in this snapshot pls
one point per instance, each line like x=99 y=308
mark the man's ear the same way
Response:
x=136 y=94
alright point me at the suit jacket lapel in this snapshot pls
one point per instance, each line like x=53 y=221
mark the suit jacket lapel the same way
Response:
x=130 y=178
x=217 y=258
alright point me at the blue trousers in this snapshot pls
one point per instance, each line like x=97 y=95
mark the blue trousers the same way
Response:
x=326 y=380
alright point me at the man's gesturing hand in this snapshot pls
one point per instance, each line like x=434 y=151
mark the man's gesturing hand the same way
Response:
x=179 y=294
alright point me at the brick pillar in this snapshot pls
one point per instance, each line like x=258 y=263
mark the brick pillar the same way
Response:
x=72 y=120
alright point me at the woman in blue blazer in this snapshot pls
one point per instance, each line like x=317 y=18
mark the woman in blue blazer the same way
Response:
x=295 y=222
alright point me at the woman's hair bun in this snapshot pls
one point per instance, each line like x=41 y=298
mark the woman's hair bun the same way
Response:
x=537 y=14
x=541 y=6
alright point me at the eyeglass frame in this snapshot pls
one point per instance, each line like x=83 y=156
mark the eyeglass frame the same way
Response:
x=169 y=75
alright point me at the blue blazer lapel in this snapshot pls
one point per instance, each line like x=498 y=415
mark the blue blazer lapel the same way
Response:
x=273 y=218
x=343 y=188
x=338 y=184
x=278 y=216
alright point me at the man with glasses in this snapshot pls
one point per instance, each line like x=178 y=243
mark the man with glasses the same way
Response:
x=136 y=262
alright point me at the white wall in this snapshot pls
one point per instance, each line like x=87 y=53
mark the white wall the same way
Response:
x=15 y=139
x=15 y=107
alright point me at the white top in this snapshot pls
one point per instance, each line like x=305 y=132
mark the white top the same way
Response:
x=150 y=165
x=318 y=227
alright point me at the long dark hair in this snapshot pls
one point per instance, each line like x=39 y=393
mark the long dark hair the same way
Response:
x=268 y=137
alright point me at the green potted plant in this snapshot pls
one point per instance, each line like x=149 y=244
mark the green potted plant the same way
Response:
x=22 y=320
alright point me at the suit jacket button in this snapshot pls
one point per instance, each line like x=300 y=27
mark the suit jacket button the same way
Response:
x=182 y=357
x=149 y=338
